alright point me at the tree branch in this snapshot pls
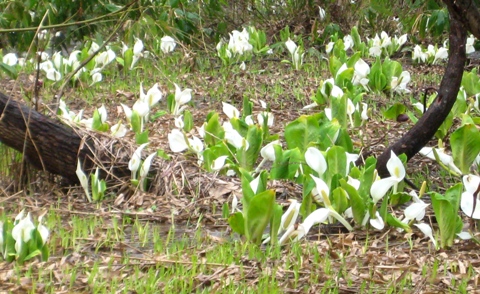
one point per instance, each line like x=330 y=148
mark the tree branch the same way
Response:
x=428 y=124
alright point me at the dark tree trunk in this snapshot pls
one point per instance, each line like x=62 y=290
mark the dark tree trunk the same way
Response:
x=462 y=17
x=46 y=144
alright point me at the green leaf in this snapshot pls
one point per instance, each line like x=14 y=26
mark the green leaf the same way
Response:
x=335 y=63
x=247 y=107
x=327 y=133
x=294 y=161
x=339 y=200
x=367 y=178
x=225 y=210
x=357 y=202
x=188 y=121
x=141 y=138
x=344 y=77
x=399 y=198
x=446 y=213
x=171 y=102
x=258 y=216
x=339 y=110
x=214 y=132
x=444 y=127
x=391 y=68
x=248 y=158
x=356 y=37
x=136 y=122
x=308 y=205
x=128 y=59
x=394 y=111
x=344 y=140
x=247 y=191
x=471 y=83
x=279 y=168
x=236 y=222
x=33 y=254
x=465 y=142
x=395 y=222
x=9 y=70
x=301 y=132
x=240 y=126
x=354 y=58
x=162 y=154
x=337 y=161
x=275 y=223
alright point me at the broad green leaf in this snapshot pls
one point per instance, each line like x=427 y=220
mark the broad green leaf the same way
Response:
x=465 y=142
x=237 y=224
x=212 y=153
x=328 y=133
x=367 y=178
x=275 y=222
x=444 y=127
x=128 y=59
x=356 y=37
x=471 y=83
x=247 y=107
x=247 y=191
x=308 y=205
x=335 y=63
x=446 y=213
x=337 y=161
x=32 y=254
x=213 y=130
x=395 y=222
x=294 y=161
x=141 y=138
x=399 y=198
x=188 y=121
x=391 y=68
x=279 y=168
x=339 y=200
x=394 y=111
x=344 y=140
x=11 y=71
x=240 y=126
x=357 y=202
x=258 y=216
x=301 y=132
x=344 y=77
x=248 y=158
x=339 y=110
x=136 y=122
x=354 y=58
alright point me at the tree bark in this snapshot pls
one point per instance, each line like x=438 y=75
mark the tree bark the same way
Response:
x=421 y=133
x=45 y=143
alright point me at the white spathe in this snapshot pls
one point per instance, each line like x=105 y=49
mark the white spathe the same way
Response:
x=230 y=110
x=469 y=198
x=316 y=160
x=167 y=44
x=177 y=141
x=397 y=173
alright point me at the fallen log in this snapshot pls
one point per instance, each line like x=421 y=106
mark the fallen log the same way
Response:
x=52 y=146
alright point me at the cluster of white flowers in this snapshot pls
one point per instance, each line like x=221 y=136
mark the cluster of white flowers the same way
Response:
x=385 y=43
x=238 y=44
x=22 y=233
x=432 y=55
